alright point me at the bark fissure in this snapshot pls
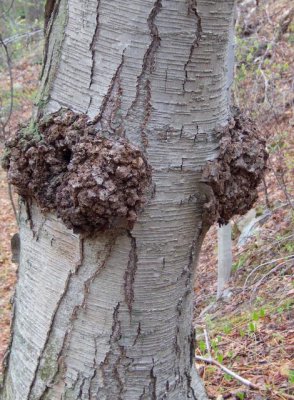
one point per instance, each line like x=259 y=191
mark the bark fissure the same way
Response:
x=74 y=315
x=191 y=392
x=114 y=363
x=55 y=33
x=107 y=116
x=192 y=9
x=93 y=50
x=143 y=87
x=49 y=332
x=152 y=384
x=51 y=10
x=130 y=274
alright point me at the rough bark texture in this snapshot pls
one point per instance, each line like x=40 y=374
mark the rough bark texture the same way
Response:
x=91 y=182
x=236 y=173
x=109 y=317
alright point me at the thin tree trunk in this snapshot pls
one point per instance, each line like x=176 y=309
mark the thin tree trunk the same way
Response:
x=224 y=235
x=110 y=317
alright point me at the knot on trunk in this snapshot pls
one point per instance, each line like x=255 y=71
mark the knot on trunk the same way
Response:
x=92 y=182
x=237 y=171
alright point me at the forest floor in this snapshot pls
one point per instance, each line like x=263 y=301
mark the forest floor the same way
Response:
x=250 y=330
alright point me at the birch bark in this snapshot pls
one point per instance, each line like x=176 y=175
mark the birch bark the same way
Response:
x=110 y=317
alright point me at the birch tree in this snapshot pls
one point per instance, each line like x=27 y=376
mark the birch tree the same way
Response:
x=115 y=201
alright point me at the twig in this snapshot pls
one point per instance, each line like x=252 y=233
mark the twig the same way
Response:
x=285 y=395
x=262 y=265
x=18 y=37
x=8 y=9
x=12 y=203
x=267 y=202
x=4 y=124
x=281 y=182
x=207 y=342
x=245 y=382
x=270 y=272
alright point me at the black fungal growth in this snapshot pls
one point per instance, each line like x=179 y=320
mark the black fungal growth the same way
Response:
x=93 y=183
x=236 y=173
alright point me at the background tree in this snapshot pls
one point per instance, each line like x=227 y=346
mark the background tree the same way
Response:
x=106 y=312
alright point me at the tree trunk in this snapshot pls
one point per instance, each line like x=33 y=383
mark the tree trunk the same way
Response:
x=110 y=316
x=224 y=235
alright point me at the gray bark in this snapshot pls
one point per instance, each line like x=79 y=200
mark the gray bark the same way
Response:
x=110 y=317
x=225 y=257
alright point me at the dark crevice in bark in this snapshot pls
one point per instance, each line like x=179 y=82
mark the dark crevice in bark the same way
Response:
x=94 y=375
x=143 y=88
x=60 y=356
x=79 y=263
x=49 y=331
x=138 y=334
x=82 y=388
x=130 y=273
x=143 y=394
x=51 y=10
x=111 y=103
x=115 y=363
x=177 y=347
x=192 y=342
x=93 y=50
x=190 y=389
x=192 y=9
x=93 y=42
x=55 y=54
x=152 y=384
x=28 y=203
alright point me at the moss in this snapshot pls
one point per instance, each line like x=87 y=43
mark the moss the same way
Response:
x=49 y=366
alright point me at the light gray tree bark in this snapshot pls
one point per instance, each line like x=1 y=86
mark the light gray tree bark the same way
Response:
x=110 y=317
x=224 y=265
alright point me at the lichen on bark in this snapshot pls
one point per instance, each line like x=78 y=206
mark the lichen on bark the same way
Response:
x=92 y=182
x=235 y=174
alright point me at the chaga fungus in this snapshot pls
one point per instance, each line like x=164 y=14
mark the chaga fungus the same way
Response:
x=237 y=171
x=92 y=182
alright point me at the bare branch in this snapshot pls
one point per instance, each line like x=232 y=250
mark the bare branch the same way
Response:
x=8 y=9
x=9 y=65
x=264 y=264
x=245 y=382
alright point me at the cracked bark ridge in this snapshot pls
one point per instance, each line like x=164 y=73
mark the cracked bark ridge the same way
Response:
x=237 y=171
x=93 y=183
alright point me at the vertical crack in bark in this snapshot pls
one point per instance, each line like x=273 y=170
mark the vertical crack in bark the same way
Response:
x=192 y=9
x=29 y=220
x=138 y=334
x=79 y=263
x=115 y=363
x=49 y=337
x=112 y=101
x=190 y=389
x=49 y=331
x=58 y=19
x=152 y=384
x=51 y=10
x=143 y=87
x=191 y=340
x=130 y=273
x=93 y=50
